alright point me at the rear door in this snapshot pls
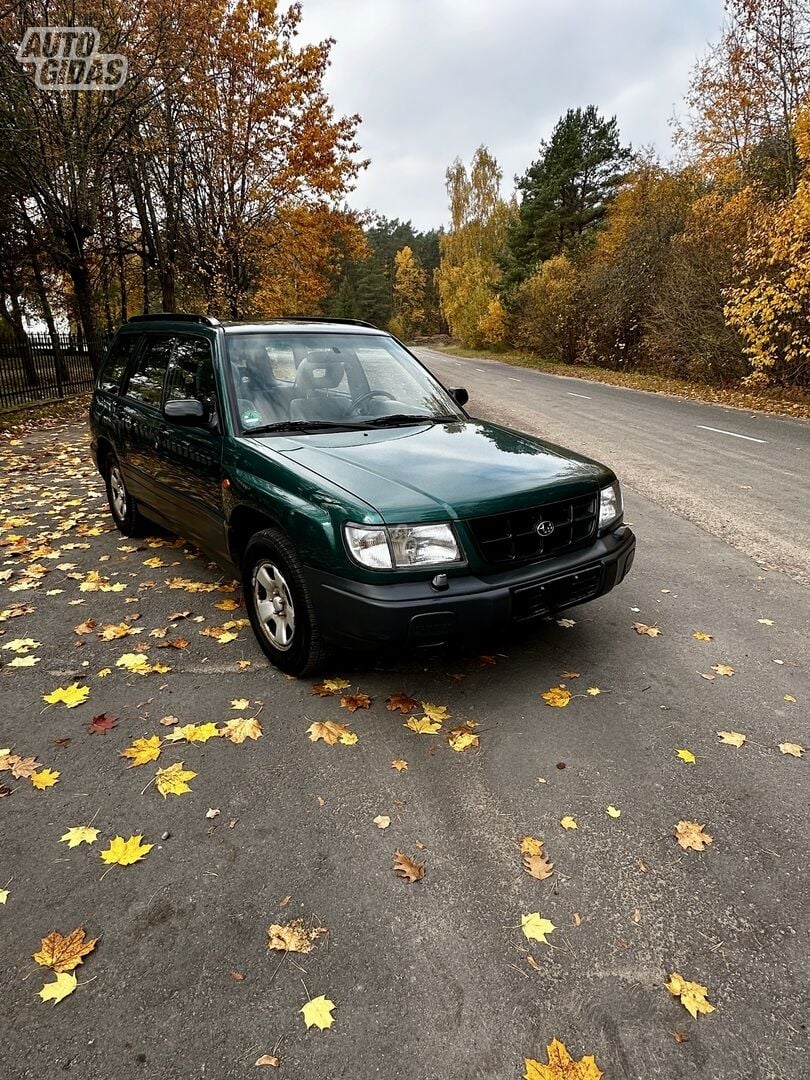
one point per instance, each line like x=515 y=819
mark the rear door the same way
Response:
x=189 y=457
x=140 y=417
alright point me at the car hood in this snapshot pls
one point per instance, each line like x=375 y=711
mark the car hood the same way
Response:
x=439 y=471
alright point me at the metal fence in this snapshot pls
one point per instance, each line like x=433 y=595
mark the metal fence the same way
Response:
x=38 y=367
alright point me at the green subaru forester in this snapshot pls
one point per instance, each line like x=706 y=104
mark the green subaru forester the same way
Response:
x=350 y=491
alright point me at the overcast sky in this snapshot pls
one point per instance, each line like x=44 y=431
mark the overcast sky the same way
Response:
x=434 y=79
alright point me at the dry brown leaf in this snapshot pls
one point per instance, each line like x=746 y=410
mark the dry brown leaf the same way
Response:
x=294 y=936
x=330 y=687
x=408 y=869
x=403 y=703
x=399 y=764
x=331 y=733
x=353 y=702
x=538 y=866
x=267 y=1059
x=650 y=631
x=691 y=835
x=64 y=953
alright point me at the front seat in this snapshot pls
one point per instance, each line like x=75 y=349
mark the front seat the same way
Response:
x=321 y=371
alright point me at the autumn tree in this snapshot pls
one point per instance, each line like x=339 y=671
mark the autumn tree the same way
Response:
x=470 y=273
x=565 y=193
x=409 y=295
x=547 y=316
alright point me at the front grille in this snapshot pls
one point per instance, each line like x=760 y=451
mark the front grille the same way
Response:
x=557 y=593
x=513 y=537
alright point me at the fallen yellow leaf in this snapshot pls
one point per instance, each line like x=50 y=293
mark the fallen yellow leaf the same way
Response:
x=687 y=756
x=45 y=778
x=691 y=835
x=294 y=936
x=613 y=812
x=240 y=704
x=194 y=733
x=723 y=669
x=318 y=1013
x=568 y=822
x=692 y=995
x=69 y=696
x=593 y=691
x=62 y=985
x=530 y=846
x=143 y=751
x=731 y=738
x=558 y=697
x=699 y=635
x=125 y=852
x=650 y=631
x=561 y=1066
x=791 y=748
x=422 y=725
x=535 y=927
x=173 y=779
x=267 y=1059
x=382 y=821
x=462 y=738
x=241 y=728
x=400 y=765
x=331 y=733
x=330 y=686
x=79 y=834
x=438 y=713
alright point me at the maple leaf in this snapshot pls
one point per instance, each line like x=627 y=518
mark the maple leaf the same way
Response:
x=462 y=738
x=568 y=822
x=114 y=631
x=789 y=697
x=558 y=697
x=561 y=1066
x=530 y=846
x=613 y=812
x=101 y=723
x=226 y=605
x=687 y=756
x=422 y=725
x=331 y=733
x=194 y=733
x=353 y=702
x=723 y=669
x=24 y=768
x=690 y=835
x=268 y=1059
x=699 y=635
x=85 y=627
x=79 y=834
x=791 y=748
x=538 y=866
x=172 y=779
x=692 y=995
x=62 y=985
x=403 y=703
x=69 y=696
x=593 y=691
x=731 y=738
x=64 y=953
x=143 y=751
x=437 y=713
x=294 y=936
x=240 y=728
x=329 y=687
x=765 y=622
x=45 y=778
x=318 y=1013
x=400 y=764
x=22 y=645
x=408 y=869
x=650 y=631
x=566 y=624
x=25 y=661
x=535 y=927
x=3 y=895
x=381 y=821
x=240 y=704
x=125 y=852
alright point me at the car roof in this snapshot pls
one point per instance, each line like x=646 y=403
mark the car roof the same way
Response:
x=297 y=326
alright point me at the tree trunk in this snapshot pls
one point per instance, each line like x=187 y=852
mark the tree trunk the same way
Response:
x=83 y=292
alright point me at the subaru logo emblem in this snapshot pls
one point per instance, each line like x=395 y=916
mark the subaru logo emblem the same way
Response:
x=544 y=528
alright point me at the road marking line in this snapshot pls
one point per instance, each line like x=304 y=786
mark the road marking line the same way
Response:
x=512 y=378
x=480 y=369
x=570 y=394
x=734 y=434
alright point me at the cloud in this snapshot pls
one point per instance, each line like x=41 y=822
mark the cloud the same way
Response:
x=433 y=79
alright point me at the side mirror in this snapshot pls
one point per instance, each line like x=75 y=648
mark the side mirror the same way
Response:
x=189 y=411
x=459 y=395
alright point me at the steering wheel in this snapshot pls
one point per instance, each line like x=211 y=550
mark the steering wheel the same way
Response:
x=367 y=397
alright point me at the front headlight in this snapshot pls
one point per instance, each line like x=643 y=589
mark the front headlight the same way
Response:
x=401 y=546
x=610 y=505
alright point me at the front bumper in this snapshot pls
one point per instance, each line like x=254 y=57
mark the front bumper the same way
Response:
x=352 y=612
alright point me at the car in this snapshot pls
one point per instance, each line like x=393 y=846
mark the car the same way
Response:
x=350 y=491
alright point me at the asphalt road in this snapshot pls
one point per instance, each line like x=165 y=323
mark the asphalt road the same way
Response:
x=431 y=981
x=740 y=476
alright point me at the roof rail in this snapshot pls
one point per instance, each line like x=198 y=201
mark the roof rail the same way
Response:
x=327 y=319
x=175 y=316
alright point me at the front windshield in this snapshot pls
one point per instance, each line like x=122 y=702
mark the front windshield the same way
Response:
x=344 y=380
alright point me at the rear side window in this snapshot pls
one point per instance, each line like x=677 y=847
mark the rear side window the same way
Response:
x=191 y=373
x=146 y=378
x=117 y=359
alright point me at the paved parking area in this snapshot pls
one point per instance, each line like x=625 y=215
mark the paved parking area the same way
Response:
x=434 y=979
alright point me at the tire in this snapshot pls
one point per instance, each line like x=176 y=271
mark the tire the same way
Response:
x=279 y=605
x=123 y=507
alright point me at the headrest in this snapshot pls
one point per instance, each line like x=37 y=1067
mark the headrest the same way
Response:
x=321 y=369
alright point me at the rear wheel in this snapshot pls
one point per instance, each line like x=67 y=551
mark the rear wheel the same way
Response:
x=279 y=605
x=123 y=507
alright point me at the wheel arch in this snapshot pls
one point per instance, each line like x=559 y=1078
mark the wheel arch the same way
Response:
x=244 y=522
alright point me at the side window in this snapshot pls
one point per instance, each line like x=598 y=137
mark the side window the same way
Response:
x=146 y=379
x=191 y=373
x=116 y=361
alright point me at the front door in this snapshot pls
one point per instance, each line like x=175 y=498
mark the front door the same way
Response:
x=141 y=419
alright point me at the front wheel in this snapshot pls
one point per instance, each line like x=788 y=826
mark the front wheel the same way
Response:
x=279 y=605
x=123 y=507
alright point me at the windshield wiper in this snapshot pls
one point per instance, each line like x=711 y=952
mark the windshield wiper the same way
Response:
x=300 y=425
x=408 y=418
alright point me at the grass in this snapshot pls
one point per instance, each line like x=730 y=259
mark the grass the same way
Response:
x=786 y=403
